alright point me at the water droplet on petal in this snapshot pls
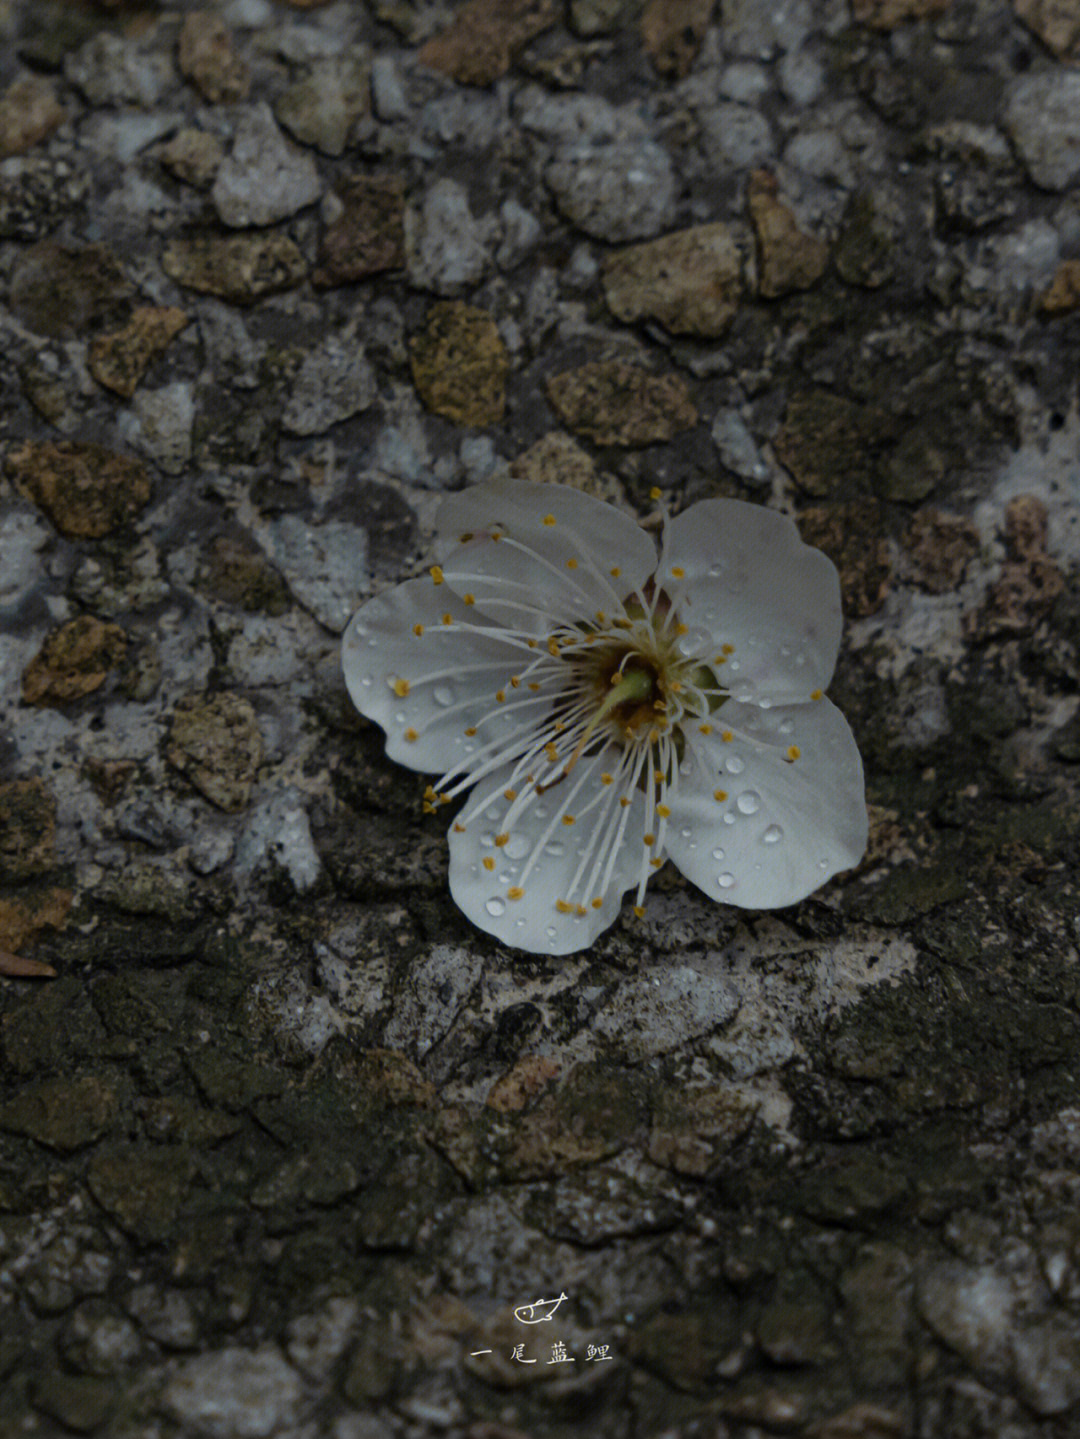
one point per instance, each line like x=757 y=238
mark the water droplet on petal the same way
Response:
x=729 y=817
x=773 y=835
x=823 y=864
x=725 y=880
x=541 y=811
x=749 y=801
x=716 y=569
x=517 y=846
x=520 y=923
x=551 y=931
x=734 y=765
x=554 y=847
x=495 y=907
x=399 y=716
x=443 y=695
x=685 y=832
x=786 y=726
x=718 y=854
x=695 y=641
x=366 y=681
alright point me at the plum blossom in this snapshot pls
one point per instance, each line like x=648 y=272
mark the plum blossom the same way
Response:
x=610 y=706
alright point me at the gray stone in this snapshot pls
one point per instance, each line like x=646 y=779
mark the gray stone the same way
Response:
x=444 y=245
x=521 y=231
x=971 y=1310
x=1047 y=1360
x=802 y=78
x=111 y=70
x=22 y=536
x=437 y=986
x=737 y=135
x=234 y=1394
x=159 y=424
x=387 y=91
x=620 y=190
x=322 y=108
x=264 y=179
x=315 y=1342
x=279 y=831
x=164 y=1314
x=750 y=28
x=1043 y=120
x=737 y=448
x=334 y=382
x=325 y=565
x=660 y=1011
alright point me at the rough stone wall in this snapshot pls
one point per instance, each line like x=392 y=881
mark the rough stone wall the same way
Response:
x=283 y=1142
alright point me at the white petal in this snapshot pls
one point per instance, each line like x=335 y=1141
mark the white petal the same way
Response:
x=748 y=580
x=563 y=555
x=563 y=854
x=783 y=828
x=453 y=673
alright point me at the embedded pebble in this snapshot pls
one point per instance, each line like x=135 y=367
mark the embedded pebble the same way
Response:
x=264 y=178
x=234 y=1393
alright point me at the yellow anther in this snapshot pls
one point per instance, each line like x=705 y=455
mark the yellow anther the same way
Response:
x=400 y=688
x=639 y=911
x=559 y=726
x=431 y=792
x=470 y=731
x=571 y=564
x=469 y=599
x=488 y=862
x=655 y=492
x=719 y=659
x=458 y=828
x=549 y=519
x=793 y=751
x=705 y=729
x=534 y=686
x=659 y=776
x=510 y=794
x=656 y=863
x=531 y=644
x=598 y=903
x=500 y=696
x=411 y=735
x=437 y=574
x=448 y=618
x=465 y=538
x=815 y=694
x=580 y=909
x=676 y=687
x=624 y=800
x=727 y=736
x=428 y=808
x=649 y=839
x=728 y=649
x=720 y=795
x=663 y=811
x=601 y=619
x=515 y=682
x=564 y=908
x=678 y=572
x=501 y=839
x=568 y=819
x=654 y=735
x=615 y=572
x=553 y=646
x=681 y=629
x=515 y=892
x=418 y=630
x=607 y=779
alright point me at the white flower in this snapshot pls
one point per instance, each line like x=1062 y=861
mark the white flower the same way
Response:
x=612 y=709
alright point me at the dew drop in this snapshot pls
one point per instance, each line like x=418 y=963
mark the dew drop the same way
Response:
x=520 y=923
x=551 y=931
x=729 y=818
x=541 y=811
x=716 y=569
x=685 y=832
x=487 y=841
x=399 y=717
x=495 y=907
x=366 y=682
x=725 y=880
x=823 y=864
x=443 y=695
x=718 y=854
x=785 y=726
x=687 y=767
x=694 y=641
x=555 y=848
x=773 y=835
x=517 y=846
x=749 y=802
x=372 y=642
x=734 y=765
